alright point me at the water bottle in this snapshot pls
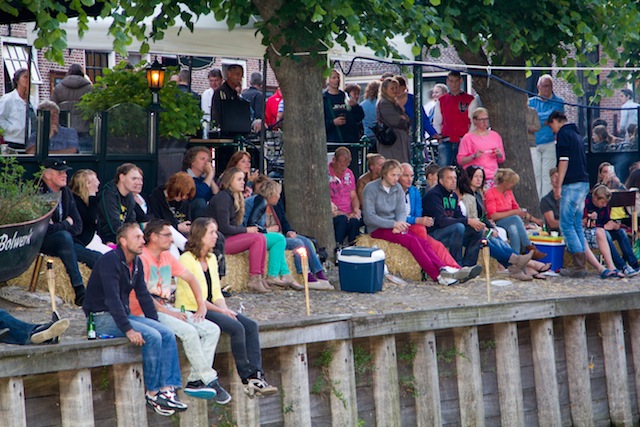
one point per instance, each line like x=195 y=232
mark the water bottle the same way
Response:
x=91 y=328
x=182 y=310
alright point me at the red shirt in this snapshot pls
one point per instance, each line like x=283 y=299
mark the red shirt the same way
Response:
x=495 y=201
x=455 y=115
x=271 y=108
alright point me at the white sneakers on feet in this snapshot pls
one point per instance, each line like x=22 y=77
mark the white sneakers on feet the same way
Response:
x=446 y=281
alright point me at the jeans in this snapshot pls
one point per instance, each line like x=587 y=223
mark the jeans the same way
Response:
x=245 y=341
x=160 y=363
x=627 y=251
x=500 y=250
x=457 y=236
x=299 y=241
x=571 y=207
x=255 y=243
x=518 y=238
x=197 y=207
x=19 y=331
x=345 y=227
x=199 y=341
x=447 y=153
x=544 y=159
x=419 y=248
x=276 y=244
x=61 y=245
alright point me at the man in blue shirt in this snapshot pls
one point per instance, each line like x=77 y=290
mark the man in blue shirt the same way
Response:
x=543 y=155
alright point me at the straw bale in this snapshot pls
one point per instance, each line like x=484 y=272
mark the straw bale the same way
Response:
x=63 y=285
x=238 y=270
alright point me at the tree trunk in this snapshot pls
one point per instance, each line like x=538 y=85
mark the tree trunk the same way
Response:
x=305 y=148
x=507 y=108
x=306 y=178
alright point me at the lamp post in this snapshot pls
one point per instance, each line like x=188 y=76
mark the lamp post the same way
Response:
x=155 y=80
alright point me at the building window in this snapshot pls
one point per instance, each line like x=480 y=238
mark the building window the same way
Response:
x=95 y=62
x=16 y=56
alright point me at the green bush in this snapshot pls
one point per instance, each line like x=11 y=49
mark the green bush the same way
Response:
x=180 y=114
x=20 y=200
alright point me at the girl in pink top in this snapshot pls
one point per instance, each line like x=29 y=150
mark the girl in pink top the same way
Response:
x=502 y=208
x=345 y=206
x=481 y=147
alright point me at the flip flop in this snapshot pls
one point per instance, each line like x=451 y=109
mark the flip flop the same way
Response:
x=545 y=268
x=611 y=274
x=540 y=276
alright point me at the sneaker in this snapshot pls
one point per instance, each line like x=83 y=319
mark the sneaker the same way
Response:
x=446 y=281
x=153 y=404
x=168 y=400
x=448 y=271
x=468 y=273
x=259 y=387
x=200 y=390
x=48 y=331
x=222 y=396
x=321 y=285
x=630 y=271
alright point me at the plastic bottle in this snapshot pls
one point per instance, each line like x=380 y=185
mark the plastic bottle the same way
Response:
x=91 y=328
x=182 y=310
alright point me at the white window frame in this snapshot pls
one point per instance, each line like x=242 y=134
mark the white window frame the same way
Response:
x=12 y=54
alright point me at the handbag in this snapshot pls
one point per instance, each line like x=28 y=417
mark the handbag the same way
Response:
x=384 y=134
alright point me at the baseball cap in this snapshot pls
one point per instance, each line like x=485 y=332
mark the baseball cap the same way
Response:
x=56 y=164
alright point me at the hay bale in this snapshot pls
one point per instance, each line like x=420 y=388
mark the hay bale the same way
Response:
x=63 y=285
x=238 y=270
x=401 y=263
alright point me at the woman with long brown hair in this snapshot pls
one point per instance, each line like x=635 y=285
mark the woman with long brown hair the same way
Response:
x=394 y=116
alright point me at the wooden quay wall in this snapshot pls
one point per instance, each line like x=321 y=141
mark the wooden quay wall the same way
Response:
x=562 y=362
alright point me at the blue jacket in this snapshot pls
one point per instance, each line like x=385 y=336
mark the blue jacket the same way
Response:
x=109 y=287
x=416 y=204
x=544 y=108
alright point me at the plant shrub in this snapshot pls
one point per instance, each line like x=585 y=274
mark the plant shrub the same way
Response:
x=20 y=200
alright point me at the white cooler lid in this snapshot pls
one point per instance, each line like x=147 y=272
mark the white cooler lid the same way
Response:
x=361 y=255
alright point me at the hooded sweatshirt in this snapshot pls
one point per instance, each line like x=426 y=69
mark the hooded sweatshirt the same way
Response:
x=71 y=89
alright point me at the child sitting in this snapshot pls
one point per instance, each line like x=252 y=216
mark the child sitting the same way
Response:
x=603 y=231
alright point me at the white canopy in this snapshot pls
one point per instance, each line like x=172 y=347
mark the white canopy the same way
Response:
x=209 y=38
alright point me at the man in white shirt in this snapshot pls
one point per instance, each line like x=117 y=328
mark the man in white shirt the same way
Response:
x=627 y=117
x=215 y=80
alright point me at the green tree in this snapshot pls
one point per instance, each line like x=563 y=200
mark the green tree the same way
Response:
x=522 y=33
x=296 y=33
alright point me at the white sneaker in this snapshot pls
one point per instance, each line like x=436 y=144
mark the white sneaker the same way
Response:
x=448 y=271
x=321 y=285
x=446 y=281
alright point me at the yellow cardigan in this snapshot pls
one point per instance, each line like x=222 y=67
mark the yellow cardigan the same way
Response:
x=184 y=295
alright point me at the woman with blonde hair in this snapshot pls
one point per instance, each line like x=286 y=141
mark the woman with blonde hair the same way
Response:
x=388 y=112
x=503 y=209
x=227 y=208
x=84 y=185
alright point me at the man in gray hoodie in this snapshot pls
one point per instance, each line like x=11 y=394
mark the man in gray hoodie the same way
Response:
x=67 y=94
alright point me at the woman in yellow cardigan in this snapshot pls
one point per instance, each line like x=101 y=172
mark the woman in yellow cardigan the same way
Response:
x=199 y=259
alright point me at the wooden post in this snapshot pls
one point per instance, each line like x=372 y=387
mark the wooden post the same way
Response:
x=344 y=405
x=386 y=389
x=76 y=398
x=246 y=411
x=509 y=375
x=577 y=356
x=469 y=376
x=295 y=396
x=544 y=370
x=615 y=364
x=131 y=407
x=425 y=368
x=12 y=410
x=634 y=326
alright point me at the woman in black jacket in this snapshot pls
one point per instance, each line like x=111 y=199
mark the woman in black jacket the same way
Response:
x=84 y=184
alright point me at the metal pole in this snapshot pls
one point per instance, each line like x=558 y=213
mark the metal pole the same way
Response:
x=418 y=127
x=261 y=164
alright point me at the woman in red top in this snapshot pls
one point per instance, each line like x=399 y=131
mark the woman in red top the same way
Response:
x=502 y=208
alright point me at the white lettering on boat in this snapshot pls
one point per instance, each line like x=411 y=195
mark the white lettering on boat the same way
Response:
x=9 y=243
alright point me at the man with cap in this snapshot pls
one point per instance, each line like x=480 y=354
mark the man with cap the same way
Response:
x=65 y=223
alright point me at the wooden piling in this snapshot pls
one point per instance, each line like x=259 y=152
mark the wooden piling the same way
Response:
x=344 y=405
x=634 y=326
x=131 y=407
x=12 y=410
x=425 y=367
x=246 y=411
x=578 y=373
x=508 y=373
x=615 y=363
x=386 y=389
x=544 y=369
x=294 y=368
x=76 y=398
x=469 y=376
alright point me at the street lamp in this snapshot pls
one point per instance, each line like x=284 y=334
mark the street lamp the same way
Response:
x=155 y=78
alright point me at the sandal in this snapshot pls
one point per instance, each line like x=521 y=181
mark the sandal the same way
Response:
x=545 y=268
x=611 y=274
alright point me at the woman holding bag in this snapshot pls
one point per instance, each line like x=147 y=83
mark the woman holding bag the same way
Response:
x=391 y=114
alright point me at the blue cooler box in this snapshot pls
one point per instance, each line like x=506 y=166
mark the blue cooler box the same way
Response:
x=361 y=269
x=553 y=247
